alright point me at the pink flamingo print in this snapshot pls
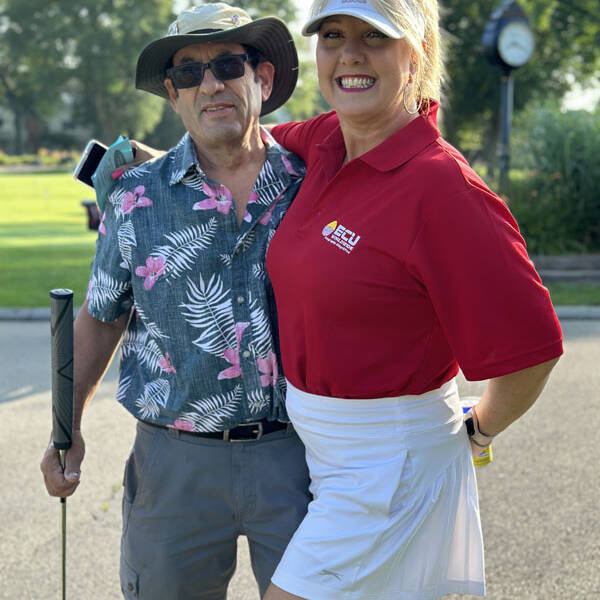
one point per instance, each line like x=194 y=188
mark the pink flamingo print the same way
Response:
x=232 y=355
x=288 y=165
x=165 y=364
x=135 y=199
x=218 y=197
x=154 y=268
x=182 y=424
x=102 y=227
x=268 y=368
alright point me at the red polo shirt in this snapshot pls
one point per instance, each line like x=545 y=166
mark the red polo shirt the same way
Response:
x=393 y=270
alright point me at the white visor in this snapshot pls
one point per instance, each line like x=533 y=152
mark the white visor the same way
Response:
x=361 y=9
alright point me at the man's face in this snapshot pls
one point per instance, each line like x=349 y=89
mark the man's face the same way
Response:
x=215 y=112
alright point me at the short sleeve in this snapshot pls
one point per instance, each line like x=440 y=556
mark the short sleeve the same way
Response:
x=292 y=137
x=300 y=137
x=109 y=291
x=491 y=304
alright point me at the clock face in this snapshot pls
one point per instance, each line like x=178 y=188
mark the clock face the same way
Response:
x=515 y=44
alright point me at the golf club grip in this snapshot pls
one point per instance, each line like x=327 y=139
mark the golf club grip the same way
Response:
x=61 y=332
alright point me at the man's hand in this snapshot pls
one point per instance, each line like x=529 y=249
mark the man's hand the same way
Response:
x=58 y=482
x=94 y=343
x=143 y=153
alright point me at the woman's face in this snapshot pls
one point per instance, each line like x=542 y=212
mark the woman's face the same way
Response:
x=362 y=72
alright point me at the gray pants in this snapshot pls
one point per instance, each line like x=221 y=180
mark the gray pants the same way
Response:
x=186 y=500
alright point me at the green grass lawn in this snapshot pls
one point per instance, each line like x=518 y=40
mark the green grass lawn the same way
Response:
x=45 y=243
x=44 y=240
x=573 y=294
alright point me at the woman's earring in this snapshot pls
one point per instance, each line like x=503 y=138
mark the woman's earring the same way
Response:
x=409 y=82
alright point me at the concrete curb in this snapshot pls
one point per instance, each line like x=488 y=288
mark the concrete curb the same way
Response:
x=578 y=312
x=24 y=314
x=43 y=314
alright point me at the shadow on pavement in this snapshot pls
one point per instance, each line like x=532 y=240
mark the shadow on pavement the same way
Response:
x=25 y=360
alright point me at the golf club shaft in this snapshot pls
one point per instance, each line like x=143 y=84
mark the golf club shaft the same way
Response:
x=63 y=534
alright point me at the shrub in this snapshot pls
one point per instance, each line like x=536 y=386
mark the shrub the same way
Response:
x=557 y=204
x=59 y=159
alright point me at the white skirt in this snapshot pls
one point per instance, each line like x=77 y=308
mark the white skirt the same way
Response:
x=395 y=513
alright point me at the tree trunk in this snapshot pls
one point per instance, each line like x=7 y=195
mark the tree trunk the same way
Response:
x=17 y=110
x=35 y=129
x=18 y=141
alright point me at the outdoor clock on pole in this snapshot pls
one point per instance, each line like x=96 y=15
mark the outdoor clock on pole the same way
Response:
x=508 y=42
x=515 y=44
x=508 y=39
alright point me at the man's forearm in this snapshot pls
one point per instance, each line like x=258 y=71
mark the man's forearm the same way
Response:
x=94 y=344
x=506 y=398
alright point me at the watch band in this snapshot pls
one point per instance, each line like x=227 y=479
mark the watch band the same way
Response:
x=472 y=425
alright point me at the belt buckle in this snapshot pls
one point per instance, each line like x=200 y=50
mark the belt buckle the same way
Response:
x=258 y=433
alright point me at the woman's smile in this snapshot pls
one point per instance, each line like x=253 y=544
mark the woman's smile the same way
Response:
x=355 y=82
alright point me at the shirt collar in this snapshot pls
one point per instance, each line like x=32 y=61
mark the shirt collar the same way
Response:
x=184 y=159
x=286 y=164
x=394 y=151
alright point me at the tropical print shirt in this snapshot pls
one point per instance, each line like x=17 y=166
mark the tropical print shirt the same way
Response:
x=201 y=352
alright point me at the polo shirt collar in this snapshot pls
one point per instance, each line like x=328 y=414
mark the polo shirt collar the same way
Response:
x=393 y=152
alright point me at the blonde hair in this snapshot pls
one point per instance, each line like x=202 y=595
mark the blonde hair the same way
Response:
x=409 y=16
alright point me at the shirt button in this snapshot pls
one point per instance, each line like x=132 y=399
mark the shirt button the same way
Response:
x=240 y=299
x=246 y=354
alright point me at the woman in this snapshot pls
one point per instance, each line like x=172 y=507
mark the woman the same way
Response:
x=395 y=265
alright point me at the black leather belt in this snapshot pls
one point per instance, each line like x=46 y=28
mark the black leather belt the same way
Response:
x=247 y=432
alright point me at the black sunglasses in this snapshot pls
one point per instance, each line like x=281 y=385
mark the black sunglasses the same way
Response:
x=191 y=74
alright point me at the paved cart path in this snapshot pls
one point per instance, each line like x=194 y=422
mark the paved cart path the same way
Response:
x=539 y=498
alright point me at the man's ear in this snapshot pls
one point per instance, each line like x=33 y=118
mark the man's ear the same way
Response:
x=173 y=95
x=265 y=72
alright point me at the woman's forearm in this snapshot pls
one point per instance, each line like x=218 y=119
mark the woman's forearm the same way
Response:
x=508 y=397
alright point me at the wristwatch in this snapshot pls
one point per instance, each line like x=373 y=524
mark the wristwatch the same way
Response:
x=475 y=435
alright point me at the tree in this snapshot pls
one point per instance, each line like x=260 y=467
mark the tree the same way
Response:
x=107 y=37
x=31 y=66
x=284 y=9
x=87 y=51
x=567 y=48
x=306 y=101
x=81 y=59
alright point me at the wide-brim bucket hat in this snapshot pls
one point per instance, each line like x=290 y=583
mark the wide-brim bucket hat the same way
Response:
x=220 y=22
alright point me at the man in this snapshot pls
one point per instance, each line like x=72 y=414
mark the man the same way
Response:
x=179 y=266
